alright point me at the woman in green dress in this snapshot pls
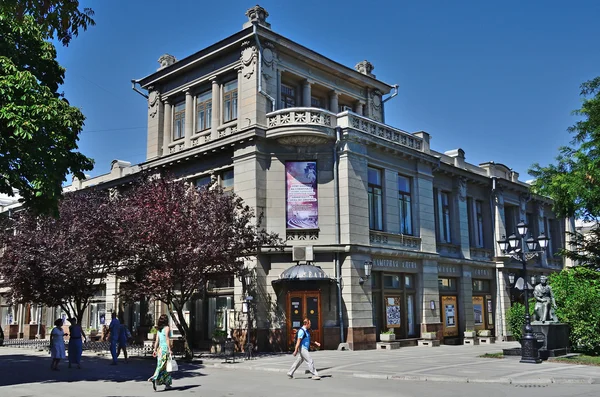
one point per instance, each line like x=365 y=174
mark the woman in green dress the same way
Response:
x=162 y=352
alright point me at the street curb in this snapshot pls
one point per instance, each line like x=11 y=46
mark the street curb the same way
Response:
x=525 y=382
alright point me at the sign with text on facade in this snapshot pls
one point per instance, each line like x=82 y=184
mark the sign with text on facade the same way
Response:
x=302 y=205
x=393 y=264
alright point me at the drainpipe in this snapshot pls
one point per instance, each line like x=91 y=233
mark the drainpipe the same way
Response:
x=395 y=86
x=336 y=195
x=260 y=90
x=500 y=303
x=133 y=87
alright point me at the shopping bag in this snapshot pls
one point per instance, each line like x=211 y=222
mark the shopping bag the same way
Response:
x=172 y=365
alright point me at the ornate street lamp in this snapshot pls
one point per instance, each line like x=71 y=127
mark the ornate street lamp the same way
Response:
x=514 y=246
x=368 y=267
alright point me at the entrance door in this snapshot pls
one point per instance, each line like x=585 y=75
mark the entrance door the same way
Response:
x=301 y=304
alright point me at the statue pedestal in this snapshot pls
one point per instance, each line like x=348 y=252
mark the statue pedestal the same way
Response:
x=555 y=340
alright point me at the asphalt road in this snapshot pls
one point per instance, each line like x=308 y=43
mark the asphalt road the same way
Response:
x=26 y=373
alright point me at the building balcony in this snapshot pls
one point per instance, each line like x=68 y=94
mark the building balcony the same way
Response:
x=481 y=253
x=301 y=126
x=392 y=240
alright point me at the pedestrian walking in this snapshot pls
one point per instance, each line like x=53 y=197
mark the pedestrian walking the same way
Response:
x=162 y=352
x=124 y=336
x=57 y=344
x=302 y=347
x=113 y=330
x=75 y=343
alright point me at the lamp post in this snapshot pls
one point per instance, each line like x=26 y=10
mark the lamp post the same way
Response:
x=368 y=266
x=514 y=246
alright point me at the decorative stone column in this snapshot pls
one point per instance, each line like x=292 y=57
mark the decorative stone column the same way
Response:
x=358 y=107
x=462 y=226
x=167 y=128
x=189 y=118
x=333 y=102
x=306 y=93
x=216 y=108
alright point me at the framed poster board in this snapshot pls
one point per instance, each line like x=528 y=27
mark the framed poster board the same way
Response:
x=478 y=313
x=392 y=311
x=490 y=311
x=302 y=205
x=450 y=316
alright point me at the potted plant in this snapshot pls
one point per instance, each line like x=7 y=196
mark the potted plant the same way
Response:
x=218 y=338
x=152 y=334
x=470 y=333
x=484 y=333
x=387 y=336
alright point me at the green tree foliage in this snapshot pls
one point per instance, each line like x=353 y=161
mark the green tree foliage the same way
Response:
x=515 y=319
x=38 y=128
x=574 y=181
x=577 y=293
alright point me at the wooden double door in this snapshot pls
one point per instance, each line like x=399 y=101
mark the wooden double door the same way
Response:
x=300 y=305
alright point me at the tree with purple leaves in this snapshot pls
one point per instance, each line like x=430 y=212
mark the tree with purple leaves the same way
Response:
x=60 y=262
x=180 y=236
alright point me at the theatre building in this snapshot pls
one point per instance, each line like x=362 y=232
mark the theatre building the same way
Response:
x=382 y=232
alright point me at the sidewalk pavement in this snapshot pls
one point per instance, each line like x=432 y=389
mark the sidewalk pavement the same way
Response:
x=444 y=364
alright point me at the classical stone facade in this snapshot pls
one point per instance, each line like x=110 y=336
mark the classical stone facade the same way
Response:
x=253 y=106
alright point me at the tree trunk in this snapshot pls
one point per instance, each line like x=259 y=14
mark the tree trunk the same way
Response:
x=183 y=328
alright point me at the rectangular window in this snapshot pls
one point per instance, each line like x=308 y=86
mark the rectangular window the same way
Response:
x=230 y=101
x=202 y=182
x=447 y=284
x=391 y=281
x=510 y=219
x=288 y=96
x=479 y=223
x=481 y=286
x=404 y=204
x=445 y=217
x=203 y=111
x=227 y=180
x=179 y=121
x=316 y=102
x=375 y=199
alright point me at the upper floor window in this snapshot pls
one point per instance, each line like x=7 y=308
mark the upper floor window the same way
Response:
x=344 y=108
x=202 y=182
x=445 y=220
x=179 y=121
x=288 y=96
x=405 y=205
x=226 y=179
x=230 y=101
x=479 y=242
x=316 y=102
x=204 y=111
x=375 y=199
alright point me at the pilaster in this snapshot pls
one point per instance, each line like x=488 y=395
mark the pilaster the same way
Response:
x=189 y=118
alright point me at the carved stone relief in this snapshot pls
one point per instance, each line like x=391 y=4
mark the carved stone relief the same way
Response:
x=376 y=105
x=166 y=60
x=248 y=58
x=153 y=99
x=461 y=188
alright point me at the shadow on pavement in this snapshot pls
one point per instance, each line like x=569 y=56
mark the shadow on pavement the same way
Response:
x=22 y=369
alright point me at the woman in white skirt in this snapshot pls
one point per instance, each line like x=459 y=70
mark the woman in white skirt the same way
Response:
x=57 y=344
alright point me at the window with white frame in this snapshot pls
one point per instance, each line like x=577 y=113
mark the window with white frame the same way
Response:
x=179 y=121
x=230 y=101
x=203 y=111
x=405 y=205
x=375 y=199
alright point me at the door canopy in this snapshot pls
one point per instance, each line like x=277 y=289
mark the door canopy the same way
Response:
x=301 y=273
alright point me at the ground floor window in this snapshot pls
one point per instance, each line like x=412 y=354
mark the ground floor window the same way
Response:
x=394 y=303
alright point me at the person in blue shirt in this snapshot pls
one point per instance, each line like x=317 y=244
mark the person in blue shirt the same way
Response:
x=302 y=347
x=114 y=330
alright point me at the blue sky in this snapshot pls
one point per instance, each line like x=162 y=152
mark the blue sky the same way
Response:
x=498 y=79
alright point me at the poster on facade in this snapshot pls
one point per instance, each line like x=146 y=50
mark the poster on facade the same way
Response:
x=450 y=317
x=478 y=314
x=302 y=204
x=392 y=311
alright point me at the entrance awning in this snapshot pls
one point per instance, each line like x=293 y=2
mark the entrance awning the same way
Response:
x=303 y=273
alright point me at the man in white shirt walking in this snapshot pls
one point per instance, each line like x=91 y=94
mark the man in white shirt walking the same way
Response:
x=302 y=346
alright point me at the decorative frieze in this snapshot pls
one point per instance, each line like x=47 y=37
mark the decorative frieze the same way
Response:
x=481 y=254
x=302 y=235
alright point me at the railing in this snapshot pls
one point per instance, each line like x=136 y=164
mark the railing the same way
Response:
x=380 y=130
x=395 y=240
x=227 y=129
x=301 y=116
x=481 y=253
